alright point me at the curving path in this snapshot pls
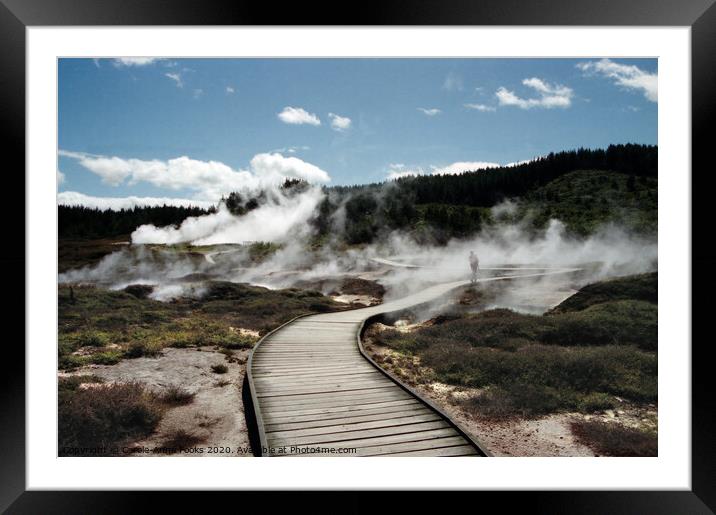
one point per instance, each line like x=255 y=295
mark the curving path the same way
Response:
x=315 y=392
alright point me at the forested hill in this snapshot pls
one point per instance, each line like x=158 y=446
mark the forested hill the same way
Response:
x=485 y=188
x=439 y=207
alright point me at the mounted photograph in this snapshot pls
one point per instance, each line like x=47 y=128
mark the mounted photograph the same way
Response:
x=353 y=257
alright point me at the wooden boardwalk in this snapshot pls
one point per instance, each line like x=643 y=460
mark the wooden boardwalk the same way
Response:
x=316 y=393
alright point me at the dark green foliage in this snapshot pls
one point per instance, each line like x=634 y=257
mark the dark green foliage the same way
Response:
x=489 y=187
x=83 y=222
x=612 y=439
x=585 y=200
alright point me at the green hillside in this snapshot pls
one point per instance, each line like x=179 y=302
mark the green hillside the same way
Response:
x=584 y=200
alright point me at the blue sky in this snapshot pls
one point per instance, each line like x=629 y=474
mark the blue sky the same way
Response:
x=124 y=124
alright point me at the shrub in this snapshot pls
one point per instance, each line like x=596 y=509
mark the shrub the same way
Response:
x=72 y=383
x=612 y=439
x=219 y=369
x=138 y=349
x=110 y=357
x=104 y=416
x=175 y=396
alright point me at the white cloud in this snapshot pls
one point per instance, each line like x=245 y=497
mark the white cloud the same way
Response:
x=208 y=179
x=176 y=78
x=453 y=82
x=626 y=76
x=463 y=166
x=230 y=90
x=481 y=107
x=74 y=198
x=430 y=112
x=339 y=123
x=269 y=166
x=398 y=170
x=135 y=61
x=198 y=93
x=60 y=177
x=549 y=95
x=298 y=116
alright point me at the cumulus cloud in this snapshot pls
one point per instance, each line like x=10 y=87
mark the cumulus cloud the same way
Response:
x=272 y=165
x=74 y=198
x=548 y=95
x=198 y=93
x=339 y=123
x=298 y=116
x=626 y=76
x=135 y=61
x=176 y=78
x=453 y=82
x=230 y=90
x=429 y=112
x=60 y=177
x=480 y=107
x=209 y=179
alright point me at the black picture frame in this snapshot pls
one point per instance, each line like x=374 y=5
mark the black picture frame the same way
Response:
x=700 y=15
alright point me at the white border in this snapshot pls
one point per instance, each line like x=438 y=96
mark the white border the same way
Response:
x=671 y=470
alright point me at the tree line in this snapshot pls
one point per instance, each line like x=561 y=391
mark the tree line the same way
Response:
x=92 y=223
x=431 y=206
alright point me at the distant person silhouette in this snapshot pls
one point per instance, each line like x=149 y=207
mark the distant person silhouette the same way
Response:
x=475 y=266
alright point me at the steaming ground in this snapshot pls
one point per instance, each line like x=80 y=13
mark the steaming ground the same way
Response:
x=220 y=249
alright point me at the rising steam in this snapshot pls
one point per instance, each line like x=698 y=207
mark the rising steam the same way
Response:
x=283 y=218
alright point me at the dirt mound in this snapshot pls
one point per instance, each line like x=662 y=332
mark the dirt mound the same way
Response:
x=140 y=291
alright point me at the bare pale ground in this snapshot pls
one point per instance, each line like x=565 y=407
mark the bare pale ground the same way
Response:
x=216 y=414
x=365 y=300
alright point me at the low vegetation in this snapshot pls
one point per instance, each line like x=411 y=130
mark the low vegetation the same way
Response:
x=611 y=439
x=103 y=327
x=180 y=439
x=219 y=369
x=573 y=359
x=98 y=419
